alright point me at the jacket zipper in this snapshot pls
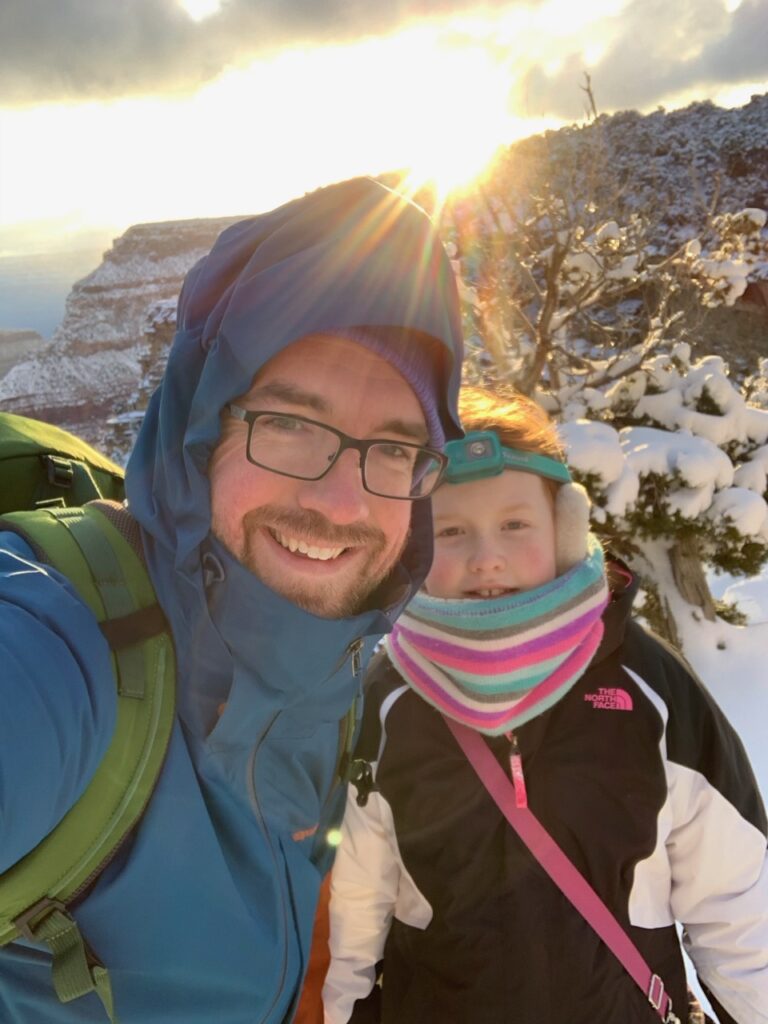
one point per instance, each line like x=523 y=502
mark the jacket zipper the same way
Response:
x=516 y=771
x=260 y=818
x=354 y=650
x=346 y=731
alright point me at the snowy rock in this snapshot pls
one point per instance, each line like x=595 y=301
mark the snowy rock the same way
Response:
x=93 y=366
x=16 y=345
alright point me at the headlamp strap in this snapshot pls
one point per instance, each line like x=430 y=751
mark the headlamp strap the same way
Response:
x=481 y=454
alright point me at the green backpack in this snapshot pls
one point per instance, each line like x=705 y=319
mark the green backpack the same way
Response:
x=45 y=467
x=73 y=520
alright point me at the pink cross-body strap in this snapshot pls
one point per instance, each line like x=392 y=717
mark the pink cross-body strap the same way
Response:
x=560 y=869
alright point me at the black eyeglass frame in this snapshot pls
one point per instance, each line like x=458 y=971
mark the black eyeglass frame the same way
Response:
x=346 y=441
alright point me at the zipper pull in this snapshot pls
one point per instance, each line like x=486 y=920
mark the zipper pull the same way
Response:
x=352 y=650
x=516 y=769
x=355 y=649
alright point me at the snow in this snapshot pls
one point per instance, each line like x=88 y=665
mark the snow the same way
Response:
x=593 y=448
x=43 y=378
x=732 y=277
x=699 y=463
x=758 y=217
x=608 y=231
x=735 y=421
x=754 y=472
x=751 y=597
x=733 y=670
x=746 y=510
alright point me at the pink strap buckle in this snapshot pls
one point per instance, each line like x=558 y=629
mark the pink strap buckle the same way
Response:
x=656 y=997
x=655 y=991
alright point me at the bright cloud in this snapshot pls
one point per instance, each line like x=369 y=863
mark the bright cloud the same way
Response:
x=160 y=109
x=199 y=10
x=259 y=135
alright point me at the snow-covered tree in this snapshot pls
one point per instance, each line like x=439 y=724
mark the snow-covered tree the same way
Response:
x=586 y=313
x=739 y=255
x=683 y=482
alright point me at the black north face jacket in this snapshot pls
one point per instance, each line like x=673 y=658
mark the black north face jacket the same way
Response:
x=645 y=786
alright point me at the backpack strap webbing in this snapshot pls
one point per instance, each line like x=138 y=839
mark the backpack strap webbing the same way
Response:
x=111 y=577
x=383 y=686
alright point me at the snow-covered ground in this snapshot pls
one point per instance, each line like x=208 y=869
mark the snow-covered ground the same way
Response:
x=734 y=666
x=738 y=678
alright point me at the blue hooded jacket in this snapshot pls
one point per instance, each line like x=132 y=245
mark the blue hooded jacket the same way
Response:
x=206 y=915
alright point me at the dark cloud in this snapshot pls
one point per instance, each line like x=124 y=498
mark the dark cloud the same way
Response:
x=742 y=56
x=76 y=49
x=660 y=48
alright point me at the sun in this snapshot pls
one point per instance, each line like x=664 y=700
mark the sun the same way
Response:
x=199 y=10
x=464 y=116
x=445 y=171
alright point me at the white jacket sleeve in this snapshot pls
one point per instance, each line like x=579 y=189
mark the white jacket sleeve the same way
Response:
x=364 y=885
x=719 y=892
x=369 y=884
x=709 y=870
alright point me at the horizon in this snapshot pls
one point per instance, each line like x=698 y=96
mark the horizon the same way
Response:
x=34 y=285
x=58 y=236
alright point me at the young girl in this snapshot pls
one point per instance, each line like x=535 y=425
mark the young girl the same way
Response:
x=523 y=632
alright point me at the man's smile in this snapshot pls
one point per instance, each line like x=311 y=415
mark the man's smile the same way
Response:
x=301 y=547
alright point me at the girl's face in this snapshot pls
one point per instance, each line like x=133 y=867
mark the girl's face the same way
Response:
x=493 y=536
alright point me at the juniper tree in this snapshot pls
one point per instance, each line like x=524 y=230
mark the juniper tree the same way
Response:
x=583 y=311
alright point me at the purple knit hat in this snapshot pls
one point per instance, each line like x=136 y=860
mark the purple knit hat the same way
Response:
x=417 y=356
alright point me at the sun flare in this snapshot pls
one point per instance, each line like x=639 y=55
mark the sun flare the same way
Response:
x=199 y=10
x=431 y=101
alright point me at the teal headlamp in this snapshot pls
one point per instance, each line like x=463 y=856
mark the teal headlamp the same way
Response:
x=480 y=453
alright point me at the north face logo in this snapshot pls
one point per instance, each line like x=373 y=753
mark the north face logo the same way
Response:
x=610 y=698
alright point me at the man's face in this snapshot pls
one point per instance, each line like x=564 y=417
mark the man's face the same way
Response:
x=324 y=544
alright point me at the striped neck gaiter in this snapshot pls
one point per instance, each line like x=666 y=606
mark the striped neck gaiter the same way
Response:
x=494 y=664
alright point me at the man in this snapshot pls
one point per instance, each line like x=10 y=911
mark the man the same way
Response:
x=314 y=371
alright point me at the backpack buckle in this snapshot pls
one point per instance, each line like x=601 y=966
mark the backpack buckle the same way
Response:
x=60 y=471
x=360 y=773
x=39 y=910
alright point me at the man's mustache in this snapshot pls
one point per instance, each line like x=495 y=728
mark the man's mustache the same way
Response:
x=312 y=526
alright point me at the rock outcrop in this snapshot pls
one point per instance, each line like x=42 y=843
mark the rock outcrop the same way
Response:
x=93 y=367
x=16 y=346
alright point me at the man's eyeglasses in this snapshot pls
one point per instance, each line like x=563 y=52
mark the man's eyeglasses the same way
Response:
x=306 y=450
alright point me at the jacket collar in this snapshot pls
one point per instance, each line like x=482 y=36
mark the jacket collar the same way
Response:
x=245 y=634
x=623 y=585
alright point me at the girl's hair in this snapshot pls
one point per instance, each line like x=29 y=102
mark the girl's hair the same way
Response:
x=517 y=419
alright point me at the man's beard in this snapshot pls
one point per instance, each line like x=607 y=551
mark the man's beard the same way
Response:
x=334 y=599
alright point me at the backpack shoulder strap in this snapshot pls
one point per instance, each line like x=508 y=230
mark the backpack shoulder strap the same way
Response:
x=112 y=579
x=383 y=686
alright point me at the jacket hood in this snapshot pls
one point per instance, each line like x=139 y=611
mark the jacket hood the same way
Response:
x=350 y=255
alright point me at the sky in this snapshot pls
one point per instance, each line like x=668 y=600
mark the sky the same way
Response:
x=114 y=112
